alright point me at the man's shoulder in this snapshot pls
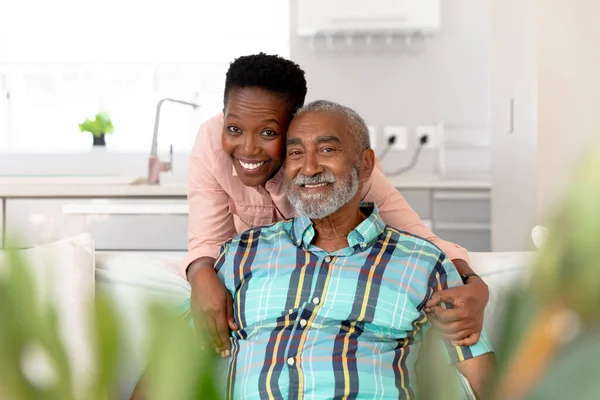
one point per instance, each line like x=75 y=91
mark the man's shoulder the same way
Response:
x=264 y=234
x=407 y=243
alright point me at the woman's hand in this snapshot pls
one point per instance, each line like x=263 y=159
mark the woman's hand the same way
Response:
x=212 y=305
x=463 y=323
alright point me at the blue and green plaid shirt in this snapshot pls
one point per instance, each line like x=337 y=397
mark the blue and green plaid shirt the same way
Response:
x=341 y=325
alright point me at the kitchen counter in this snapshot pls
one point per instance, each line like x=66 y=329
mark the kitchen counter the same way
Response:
x=118 y=187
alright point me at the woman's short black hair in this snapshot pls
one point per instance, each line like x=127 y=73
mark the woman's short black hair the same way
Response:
x=269 y=72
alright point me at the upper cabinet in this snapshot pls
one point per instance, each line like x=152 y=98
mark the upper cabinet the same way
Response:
x=328 y=17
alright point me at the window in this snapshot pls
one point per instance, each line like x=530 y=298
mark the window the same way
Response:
x=65 y=60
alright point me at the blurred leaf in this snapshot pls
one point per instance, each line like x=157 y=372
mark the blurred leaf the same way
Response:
x=560 y=304
x=434 y=366
x=575 y=372
x=178 y=369
x=108 y=347
x=27 y=324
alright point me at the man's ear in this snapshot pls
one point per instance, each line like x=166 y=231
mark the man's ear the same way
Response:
x=367 y=163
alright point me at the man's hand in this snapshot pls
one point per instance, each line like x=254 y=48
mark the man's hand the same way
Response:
x=212 y=305
x=463 y=323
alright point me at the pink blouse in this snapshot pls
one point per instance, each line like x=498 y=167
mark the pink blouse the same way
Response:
x=222 y=206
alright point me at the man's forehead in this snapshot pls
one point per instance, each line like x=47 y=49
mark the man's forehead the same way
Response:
x=326 y=123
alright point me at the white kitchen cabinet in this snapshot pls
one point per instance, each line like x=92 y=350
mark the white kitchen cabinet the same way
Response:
x=514 y=117
x=420 y=201
x=458 y=215
x=476 y=237
x=461 y=206
x=115 y=224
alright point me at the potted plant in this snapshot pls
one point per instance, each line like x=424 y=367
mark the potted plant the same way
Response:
x=99 y=127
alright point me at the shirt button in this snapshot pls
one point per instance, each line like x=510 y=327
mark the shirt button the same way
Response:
x=290 y=361
x=327 y=259
x=303 y=323
x=316 y=300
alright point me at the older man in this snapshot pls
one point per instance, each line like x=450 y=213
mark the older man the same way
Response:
x=330 y=304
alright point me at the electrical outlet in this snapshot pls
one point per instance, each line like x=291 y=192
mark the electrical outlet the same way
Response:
x=373 y=136
x=401 y=134
x=432 y=138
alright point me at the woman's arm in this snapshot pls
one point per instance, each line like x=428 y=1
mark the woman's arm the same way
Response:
x=210 y=225
x=210 y=222
x=396 y=212
x=465 y=323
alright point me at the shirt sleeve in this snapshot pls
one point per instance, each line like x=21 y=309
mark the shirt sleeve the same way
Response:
x=444 y=276
x=210 y=222
x=396 y=212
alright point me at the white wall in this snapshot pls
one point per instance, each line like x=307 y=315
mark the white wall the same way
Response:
x=569 y=92
x=449 y=81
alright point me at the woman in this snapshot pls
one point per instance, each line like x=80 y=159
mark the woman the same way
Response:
x=235 y=182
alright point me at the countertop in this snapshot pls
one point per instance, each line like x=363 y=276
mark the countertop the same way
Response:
x=109 y=187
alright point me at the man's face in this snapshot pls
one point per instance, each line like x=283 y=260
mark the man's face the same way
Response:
x=322 y=164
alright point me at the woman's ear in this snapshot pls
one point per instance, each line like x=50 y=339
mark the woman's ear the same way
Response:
x=367 y=163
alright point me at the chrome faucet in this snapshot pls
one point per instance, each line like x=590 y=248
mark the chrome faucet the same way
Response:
x=155 y=166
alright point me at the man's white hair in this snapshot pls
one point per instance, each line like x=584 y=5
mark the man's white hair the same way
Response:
x=357 y=124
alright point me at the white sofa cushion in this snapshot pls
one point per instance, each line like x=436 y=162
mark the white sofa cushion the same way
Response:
x=133 y=281
x=63 y=272
x=501 y=272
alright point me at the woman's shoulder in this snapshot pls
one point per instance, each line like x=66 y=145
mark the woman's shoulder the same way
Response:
x=208 y=138
x=210 y=132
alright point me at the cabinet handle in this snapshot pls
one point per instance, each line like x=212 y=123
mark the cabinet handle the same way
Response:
x=461 y=196
x=462 y=227
x=511 y=123
x=125 y=209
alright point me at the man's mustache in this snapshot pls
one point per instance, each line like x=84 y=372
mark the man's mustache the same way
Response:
x=323 y=177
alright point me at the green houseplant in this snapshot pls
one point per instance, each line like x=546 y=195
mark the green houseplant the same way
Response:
x=178 y=368
x=99 y=127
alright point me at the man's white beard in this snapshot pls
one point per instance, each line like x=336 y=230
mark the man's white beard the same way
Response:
x=322 y=204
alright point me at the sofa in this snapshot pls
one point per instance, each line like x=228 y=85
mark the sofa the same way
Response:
x=70 y=272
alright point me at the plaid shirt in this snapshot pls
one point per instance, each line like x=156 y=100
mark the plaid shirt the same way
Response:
x=341 y=325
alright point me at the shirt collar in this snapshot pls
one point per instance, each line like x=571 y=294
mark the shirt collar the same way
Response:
x=364 y=235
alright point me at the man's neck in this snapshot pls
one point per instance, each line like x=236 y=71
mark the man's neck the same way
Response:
x=331 y=232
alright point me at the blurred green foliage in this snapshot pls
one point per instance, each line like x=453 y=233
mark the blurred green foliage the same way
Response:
x=177 y=369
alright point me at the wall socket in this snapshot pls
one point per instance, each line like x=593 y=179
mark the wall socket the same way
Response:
x=401 y=134
x=432 y=136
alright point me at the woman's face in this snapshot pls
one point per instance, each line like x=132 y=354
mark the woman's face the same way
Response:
x=256 y=123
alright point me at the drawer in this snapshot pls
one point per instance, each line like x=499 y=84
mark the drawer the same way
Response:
x=473 y=237
x=419 y=200
x=462 y=206
x=115 y=224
